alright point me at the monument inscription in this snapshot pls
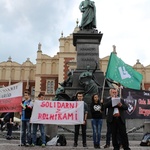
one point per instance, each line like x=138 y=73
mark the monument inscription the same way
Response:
x=87 y=54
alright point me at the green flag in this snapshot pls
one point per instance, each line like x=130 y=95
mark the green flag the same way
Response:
x=122 y=73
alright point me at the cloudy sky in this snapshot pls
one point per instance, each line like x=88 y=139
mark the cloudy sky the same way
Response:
x=25 y=23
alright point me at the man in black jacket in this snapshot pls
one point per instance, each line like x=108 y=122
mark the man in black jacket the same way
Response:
x=116 y=118
x=79 y=97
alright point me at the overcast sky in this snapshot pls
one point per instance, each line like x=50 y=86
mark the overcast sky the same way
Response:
x=25 y=23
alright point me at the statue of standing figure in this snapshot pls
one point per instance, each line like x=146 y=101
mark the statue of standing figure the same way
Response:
x=88 y=9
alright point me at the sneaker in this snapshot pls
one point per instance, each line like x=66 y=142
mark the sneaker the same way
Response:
x=3 y=127
x=84 y=145
x=75 y=145
x=32 y=144
x=22 y=144
x=98 y=146
x=27 y=144
x=8 y=137
x=95 y=146
x=106 y=146
x=43 y=145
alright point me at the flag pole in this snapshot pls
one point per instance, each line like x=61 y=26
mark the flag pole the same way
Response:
x=103 y=90
x=20 y=129
x=120 y=90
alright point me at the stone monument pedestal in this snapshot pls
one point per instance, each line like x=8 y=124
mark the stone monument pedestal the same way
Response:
x=88 y=77
x=51 y=130
x=87 y=46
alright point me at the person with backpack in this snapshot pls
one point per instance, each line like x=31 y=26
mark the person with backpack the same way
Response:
x=27 y=105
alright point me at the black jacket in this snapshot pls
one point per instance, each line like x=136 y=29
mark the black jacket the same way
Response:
x=111 y=110
x=8 y=116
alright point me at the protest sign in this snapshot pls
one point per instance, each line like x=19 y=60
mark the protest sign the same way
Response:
x=57 y=112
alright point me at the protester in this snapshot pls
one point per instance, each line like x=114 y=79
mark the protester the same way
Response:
x=41 y=127
x=27 y=105
x=79 y=97
x=116 y=118
x=10 y=125
x=108 y=133
x=96 y=108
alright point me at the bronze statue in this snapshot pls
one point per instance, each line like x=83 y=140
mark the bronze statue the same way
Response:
x=61 y=95
x=68 y=82
x=88 y=81
x=88 y=9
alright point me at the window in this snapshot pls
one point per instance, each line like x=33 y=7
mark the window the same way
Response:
x=50 y=87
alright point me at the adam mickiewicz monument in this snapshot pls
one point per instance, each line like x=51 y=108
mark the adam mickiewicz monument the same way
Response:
x=87 y=77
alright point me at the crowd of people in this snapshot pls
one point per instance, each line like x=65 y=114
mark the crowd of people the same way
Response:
x=116 y=127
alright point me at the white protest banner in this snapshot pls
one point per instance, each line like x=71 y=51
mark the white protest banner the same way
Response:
x=11 y=98
x=58 y=112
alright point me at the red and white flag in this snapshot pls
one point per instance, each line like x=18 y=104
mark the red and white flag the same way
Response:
x=11 y=98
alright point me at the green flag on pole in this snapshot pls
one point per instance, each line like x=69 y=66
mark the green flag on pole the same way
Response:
x=122 y=73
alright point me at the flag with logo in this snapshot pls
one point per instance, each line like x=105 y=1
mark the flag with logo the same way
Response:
x=122 y=73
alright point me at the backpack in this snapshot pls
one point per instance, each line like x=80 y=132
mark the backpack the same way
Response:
x=53 y=141
x=145 y=140
x=61 y=140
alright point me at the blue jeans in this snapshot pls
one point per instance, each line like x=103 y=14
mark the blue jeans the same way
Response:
x=26 y=132
x=42 y=130
x=97 y=126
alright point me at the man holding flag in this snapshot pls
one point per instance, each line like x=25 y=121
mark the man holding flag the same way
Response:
x=125 y=75
x=115 y=117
